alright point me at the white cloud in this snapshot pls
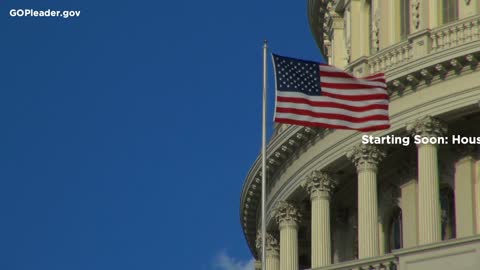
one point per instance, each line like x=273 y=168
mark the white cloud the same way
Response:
x=225 y=262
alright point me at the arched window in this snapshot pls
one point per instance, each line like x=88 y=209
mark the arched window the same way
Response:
x=395 y=230
x=447 y=203
x=404 y=19
x=449 y=10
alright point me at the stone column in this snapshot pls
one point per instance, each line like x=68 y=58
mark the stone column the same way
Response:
x=465 y=192
x=339 y=51
x=429 y=211
x=477 y=196
x=288 y=217
x=410 y=212
x=272 y=258
x=366 y=158
x=381 y=236
x=257 y=265
x=319 y=185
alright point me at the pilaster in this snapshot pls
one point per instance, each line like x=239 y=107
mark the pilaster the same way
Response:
x=434 y=13
x=464 y=196
x=467 y=8
x=339 y=55
x=360 y=32
x=477 y=196
x=409 y=205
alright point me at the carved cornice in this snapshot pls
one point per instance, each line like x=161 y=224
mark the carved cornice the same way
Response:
x=283 y=147
x=366 y=156
x=286 y=214
x=427 y=126
x=271 y=245
x=319 y=182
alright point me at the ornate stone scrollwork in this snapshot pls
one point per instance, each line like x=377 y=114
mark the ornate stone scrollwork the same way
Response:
x=456 y=65
x=440 y=69
x=271 y=244
x=471 y=59
x=376 y=32
x=398 y=84
x=412 y=79
x=366 y=156
x=318 y=181
x=427 y=126
x=286 y=213
x=416 y=13
x=426 y=74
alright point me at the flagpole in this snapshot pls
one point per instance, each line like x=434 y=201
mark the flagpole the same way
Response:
x=264 y=150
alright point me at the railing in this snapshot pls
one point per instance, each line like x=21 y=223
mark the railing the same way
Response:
x=456 y=251
x=387 y=262
x=429 y=42
x=391 y=57
x=455 y=34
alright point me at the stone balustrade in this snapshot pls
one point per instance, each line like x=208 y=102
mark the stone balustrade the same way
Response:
x=418 y=45
x=391 y=57
x=461 y=253
x=455 y=34
x=386 y=262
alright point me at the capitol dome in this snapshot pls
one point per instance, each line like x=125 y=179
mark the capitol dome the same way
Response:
x=334 y=202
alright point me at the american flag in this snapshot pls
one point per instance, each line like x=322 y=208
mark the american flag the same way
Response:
x=315 y=94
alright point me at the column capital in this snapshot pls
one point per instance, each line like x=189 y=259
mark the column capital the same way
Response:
x=286 y=214
x=318 y=184
x=427 y=126
x=366 y=156
x=271 y=244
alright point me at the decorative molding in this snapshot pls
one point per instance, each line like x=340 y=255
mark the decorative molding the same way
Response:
x=366 y=156
x=416 y=13
x=398 y=85
x=412 y=79
x=471 y=59
x=427 y=75
x=376 y=32
x=271 y=244
x=286 y=214
x=456 y=65
x=440 y=68
x=427 y=126
x=319 y=181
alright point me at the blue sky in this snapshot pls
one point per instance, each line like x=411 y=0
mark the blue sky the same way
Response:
x=126 y=133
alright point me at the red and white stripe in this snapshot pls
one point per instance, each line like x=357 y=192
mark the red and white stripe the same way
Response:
x=346 y=103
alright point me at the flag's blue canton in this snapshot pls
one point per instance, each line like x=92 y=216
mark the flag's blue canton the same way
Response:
x=297 y=75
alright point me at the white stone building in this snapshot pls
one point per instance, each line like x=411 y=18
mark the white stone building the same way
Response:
x=334 y=203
